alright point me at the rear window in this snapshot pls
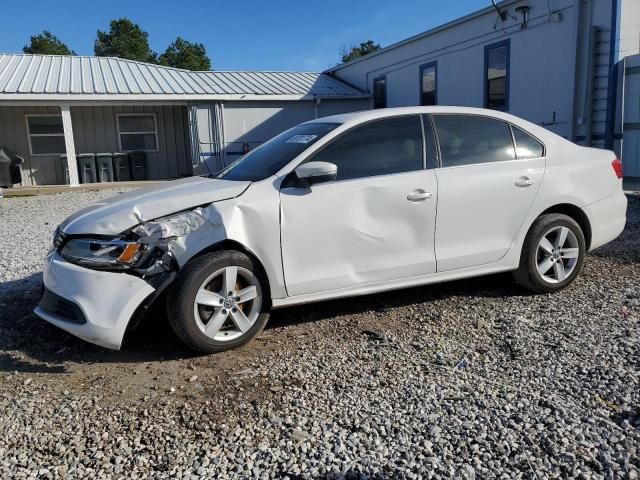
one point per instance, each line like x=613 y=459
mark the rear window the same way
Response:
x=274 y=154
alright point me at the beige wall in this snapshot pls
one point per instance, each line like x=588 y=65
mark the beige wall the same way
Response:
x=95 y=130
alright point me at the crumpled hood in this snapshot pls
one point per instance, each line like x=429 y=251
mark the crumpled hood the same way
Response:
x=113 y=216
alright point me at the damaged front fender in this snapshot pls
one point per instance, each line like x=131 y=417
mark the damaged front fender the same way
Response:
x=251 y=220
x=184 y=234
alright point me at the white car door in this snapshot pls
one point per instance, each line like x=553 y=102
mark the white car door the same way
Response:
x=374 y=223
x=485 y=188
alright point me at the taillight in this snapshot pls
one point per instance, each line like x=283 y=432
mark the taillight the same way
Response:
x=617 y=167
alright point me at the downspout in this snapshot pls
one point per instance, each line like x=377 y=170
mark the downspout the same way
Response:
x=316 y=106
x=223 y=145
x=612 y=86
x=588 y=114
x=576 y=73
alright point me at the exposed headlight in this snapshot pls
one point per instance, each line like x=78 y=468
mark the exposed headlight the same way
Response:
x=113 y=253
x=58 y=238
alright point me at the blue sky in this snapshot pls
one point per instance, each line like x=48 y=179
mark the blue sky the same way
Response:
x=238 y=35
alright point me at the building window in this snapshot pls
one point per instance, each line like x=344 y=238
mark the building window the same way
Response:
x=380 y=92
x=429 y=84
x=138 y=131
x=46 y=134
x=496 y=84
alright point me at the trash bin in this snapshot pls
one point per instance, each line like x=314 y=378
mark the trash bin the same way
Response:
x=64 y=168
x=9 y=168
x=121 y=167
x=138 y=160
x=104 y=164
x=87 y=168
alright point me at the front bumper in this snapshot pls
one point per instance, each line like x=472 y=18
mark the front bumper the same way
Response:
x=107 y=300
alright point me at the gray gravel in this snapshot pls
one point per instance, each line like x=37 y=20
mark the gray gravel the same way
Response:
x=471 y=379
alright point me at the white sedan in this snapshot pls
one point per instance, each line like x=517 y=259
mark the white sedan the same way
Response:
x=346 y=205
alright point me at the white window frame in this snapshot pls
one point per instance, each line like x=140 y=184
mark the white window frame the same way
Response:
x=155 y=132
x=29 y=134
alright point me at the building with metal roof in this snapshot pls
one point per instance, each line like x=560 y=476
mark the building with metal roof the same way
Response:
x=183 y=121
x=57 y=77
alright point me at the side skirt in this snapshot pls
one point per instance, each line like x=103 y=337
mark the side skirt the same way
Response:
x=393 y=284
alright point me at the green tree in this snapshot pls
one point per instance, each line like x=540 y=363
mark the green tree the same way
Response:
x=124 y=39
x=365 y=48
x=187 y=55
x=47 y=43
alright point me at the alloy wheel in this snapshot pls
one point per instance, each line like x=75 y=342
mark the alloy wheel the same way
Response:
x=228 y=303
x=557 y=254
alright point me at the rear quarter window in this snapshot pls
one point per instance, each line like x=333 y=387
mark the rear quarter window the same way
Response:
x=526 y=145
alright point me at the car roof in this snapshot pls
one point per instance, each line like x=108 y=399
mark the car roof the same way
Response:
x=365 y=115
x=354 y=118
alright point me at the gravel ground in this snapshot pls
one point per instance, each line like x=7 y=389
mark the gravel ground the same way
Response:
x=470 y=379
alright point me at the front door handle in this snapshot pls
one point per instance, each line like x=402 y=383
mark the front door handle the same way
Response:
x=524 y=182
x=418 y=195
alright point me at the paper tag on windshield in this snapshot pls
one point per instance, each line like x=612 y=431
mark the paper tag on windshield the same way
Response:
x=301 y=138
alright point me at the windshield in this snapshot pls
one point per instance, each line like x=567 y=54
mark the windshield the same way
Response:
x=274 y=154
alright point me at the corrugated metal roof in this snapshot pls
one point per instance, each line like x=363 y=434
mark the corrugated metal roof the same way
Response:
x=54 y=75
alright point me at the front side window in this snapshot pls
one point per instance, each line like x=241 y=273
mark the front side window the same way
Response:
x=138 y=132
x=380 y=92
x=496 y=85
x=271 y=156
x=428 y=84
x=468 y=140
x=382 y=147
x=526 y=145
x=46 y=134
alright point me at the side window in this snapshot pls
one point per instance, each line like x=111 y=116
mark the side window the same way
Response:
x=380 y=92
x=526 y=145
x=383 y=147
x=46 y=134
x=429 y=84
x=468 y=139
x=496 y=80
x=138 y=132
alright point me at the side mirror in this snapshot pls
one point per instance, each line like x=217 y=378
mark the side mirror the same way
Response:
x=316 y=172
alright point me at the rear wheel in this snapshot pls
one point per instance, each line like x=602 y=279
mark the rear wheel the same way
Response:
x=219 y=301
x=552 y=255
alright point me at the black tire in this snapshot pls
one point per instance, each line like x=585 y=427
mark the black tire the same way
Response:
x=527 y=274
x=181 y=299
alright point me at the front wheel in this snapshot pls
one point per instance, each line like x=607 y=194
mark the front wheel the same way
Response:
x=219 y=301
x=552 y=254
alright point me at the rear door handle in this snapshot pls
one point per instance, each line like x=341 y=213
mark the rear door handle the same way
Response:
x=524 y=182
x=418 y=195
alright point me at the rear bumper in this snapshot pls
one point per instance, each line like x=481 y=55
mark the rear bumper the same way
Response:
x=107 y=300
x=607 y=218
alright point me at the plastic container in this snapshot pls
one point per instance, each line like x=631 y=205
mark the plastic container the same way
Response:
x=64 y=168
x=104 y=165
x=121 y=167
x=9 y=168
x=87 y=168
x=139 y=169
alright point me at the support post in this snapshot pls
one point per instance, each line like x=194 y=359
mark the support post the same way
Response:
x=69 y=144
x=316 y=106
